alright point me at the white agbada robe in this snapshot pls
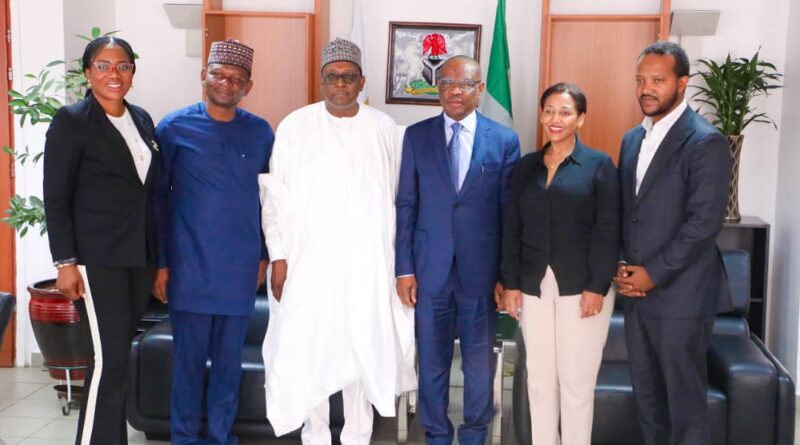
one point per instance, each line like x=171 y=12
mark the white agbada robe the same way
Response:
x=328 y=209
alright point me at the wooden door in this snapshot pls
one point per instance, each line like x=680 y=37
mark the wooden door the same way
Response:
x=599 y=53
x=6 y=182
x=286 y=69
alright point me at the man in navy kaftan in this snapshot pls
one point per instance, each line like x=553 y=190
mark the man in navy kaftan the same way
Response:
x=211 y=254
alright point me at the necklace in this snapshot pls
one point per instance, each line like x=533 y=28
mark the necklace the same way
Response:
x=137 y=140
x=554 y=165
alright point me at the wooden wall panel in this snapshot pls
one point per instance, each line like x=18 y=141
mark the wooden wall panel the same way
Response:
x=598 y=53
x=281 y=69
x=600 y=57
x=6 y=184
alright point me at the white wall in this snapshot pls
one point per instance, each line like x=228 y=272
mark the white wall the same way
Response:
x=166 y=79
x=37 y=38
x=79 y=18
x=786 y=231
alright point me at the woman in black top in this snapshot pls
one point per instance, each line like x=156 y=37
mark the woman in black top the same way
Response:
x=560 y=247
x=99 y=164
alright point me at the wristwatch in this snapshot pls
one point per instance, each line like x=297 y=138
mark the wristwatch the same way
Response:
x=64 y=263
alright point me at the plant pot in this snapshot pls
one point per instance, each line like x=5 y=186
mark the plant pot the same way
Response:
x=63 y=336
x=732 y=209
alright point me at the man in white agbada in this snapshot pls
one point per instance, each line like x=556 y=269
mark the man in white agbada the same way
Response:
x=336 y=323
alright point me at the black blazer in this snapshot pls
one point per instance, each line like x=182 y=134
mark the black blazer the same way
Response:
x=97 y=208
x=572 y=225
x=671 y=226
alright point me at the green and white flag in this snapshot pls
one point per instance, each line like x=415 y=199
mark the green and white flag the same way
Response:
x=497 y=101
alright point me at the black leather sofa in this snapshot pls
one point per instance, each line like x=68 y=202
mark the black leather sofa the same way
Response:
x=150 y=382
x=751 y=396
x=7 y=303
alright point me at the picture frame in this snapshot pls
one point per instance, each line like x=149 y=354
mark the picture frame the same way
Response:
x=417 y=50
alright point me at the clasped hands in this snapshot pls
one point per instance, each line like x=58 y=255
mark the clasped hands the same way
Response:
x=591 y=303
x=633 y=281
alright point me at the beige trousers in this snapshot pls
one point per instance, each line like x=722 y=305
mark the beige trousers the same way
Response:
x=563 y=357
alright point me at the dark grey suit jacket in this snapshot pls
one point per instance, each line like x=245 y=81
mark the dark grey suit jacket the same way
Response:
x=671 y=226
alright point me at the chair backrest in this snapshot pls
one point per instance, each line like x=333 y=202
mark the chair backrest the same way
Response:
x=737 y=268
x=7 y=303
x=257 y=328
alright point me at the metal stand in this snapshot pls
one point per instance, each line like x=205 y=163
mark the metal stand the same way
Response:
x=68 y=391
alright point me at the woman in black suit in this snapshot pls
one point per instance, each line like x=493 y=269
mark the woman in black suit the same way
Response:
x=560 y=247
x=99 y=163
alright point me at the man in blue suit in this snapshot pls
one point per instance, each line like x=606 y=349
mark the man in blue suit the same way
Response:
x=674 y=173
x=454 y=182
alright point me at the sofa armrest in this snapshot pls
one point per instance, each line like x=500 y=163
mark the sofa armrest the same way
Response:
x=750 y=382
x=785 y=416
x=134 y=416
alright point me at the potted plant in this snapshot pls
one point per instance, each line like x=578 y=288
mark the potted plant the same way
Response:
x=729 y=88
x=62 y=336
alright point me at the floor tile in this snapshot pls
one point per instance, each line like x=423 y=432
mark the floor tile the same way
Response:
x=36 y=441
x=46 y=392
x=58 y=429
x=17 y=390
x=34 y=408
x=21 y=426
x=5 y=403
x=25 y=375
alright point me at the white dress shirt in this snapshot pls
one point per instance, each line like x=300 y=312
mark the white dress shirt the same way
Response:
x=466 y=138
x=137 y=146
x=654 y=135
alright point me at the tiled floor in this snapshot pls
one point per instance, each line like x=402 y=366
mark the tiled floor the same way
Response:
x=30 y=414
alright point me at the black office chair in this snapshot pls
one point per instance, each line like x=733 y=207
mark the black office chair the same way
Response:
x=7 y=303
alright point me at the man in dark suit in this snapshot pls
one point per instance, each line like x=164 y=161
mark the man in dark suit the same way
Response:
x=454 y=183
x=674 y=174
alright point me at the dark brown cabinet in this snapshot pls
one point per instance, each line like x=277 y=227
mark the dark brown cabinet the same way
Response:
x=752 y=235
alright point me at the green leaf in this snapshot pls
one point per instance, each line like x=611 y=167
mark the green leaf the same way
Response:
x=95 y=32
x=729 y=88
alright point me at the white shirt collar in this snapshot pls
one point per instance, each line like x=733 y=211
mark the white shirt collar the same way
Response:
x=667 y=121
x=470 y=122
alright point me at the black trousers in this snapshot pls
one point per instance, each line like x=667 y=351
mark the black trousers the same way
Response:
x=667 y=358
x=115 y=301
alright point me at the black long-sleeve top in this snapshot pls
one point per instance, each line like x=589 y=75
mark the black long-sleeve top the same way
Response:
x=573 y=225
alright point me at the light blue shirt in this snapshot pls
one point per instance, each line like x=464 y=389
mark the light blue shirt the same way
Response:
x=466 y=138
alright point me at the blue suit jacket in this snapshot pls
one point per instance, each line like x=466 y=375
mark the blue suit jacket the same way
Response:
x=671 y=226
x=435 y=224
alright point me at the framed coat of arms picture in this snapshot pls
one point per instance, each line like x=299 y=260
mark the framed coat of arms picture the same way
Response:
x=417 y=52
